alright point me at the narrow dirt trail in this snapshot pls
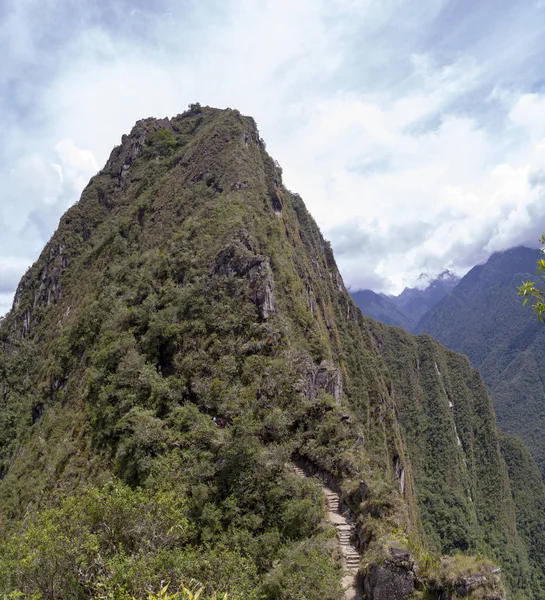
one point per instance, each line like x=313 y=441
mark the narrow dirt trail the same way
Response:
x=351 y=557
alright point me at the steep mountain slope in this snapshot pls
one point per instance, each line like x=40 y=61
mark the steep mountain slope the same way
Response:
x=381 y=308
x=483 y=318
x=406 y=309
x=182 y=338
x=416 y=302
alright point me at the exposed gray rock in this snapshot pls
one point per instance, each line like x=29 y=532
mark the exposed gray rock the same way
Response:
x=388 y=583
x=251 y=137
x=238 y=261
x=328 y=377
x=400 y=473
x=311 y=299
x=123 y=156
x=393 y=580
x=264 y=294
x=25 y=327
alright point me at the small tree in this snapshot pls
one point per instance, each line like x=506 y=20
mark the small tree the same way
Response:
x=532 y=291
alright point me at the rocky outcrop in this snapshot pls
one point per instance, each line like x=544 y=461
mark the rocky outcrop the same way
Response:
x=399 y=471
x=328 y=378
x=483 y=583
x=263 y=296
x=237 y=260
x=46 y=290
x=123 y=155
x=394 y=579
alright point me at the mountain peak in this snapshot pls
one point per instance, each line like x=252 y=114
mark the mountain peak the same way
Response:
x=183 y=340
x=411 y=304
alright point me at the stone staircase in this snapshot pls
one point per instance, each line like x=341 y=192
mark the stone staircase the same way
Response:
x=351 y=557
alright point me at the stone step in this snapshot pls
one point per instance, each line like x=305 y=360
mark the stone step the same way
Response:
x=345 y=532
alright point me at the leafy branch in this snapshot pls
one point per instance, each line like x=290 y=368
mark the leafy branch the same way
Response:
x=533 y=292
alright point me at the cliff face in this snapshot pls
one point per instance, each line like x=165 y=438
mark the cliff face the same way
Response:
x=186 y=331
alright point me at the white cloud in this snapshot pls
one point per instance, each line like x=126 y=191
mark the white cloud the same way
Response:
x=446 y=197
x=416 y=144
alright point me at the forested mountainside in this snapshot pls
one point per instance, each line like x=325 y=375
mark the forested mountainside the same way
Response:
x=406 y=309
x=184 y=339
x=483 y=318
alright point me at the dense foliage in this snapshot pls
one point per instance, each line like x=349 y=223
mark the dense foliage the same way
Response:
x=184 y=335
x=482 y=318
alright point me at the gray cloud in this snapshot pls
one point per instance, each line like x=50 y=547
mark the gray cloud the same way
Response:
x=413 y=131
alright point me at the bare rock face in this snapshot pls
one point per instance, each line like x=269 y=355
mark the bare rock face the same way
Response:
x=238 y=260
x=263 y=297
x=122 y=156
x=392 y=580
x=46 y=290
x=328 y=377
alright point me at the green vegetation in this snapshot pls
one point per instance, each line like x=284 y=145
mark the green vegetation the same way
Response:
x=482 y=318
x=184 y=594
x=531 y=291
x=181 y=338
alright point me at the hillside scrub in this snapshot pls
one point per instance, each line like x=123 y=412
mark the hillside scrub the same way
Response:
x=183 y=335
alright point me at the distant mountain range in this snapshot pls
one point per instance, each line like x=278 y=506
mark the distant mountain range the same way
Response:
x=406 y=309
x=481 y=316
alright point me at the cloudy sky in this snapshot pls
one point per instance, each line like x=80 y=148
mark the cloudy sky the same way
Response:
x=414 y=130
